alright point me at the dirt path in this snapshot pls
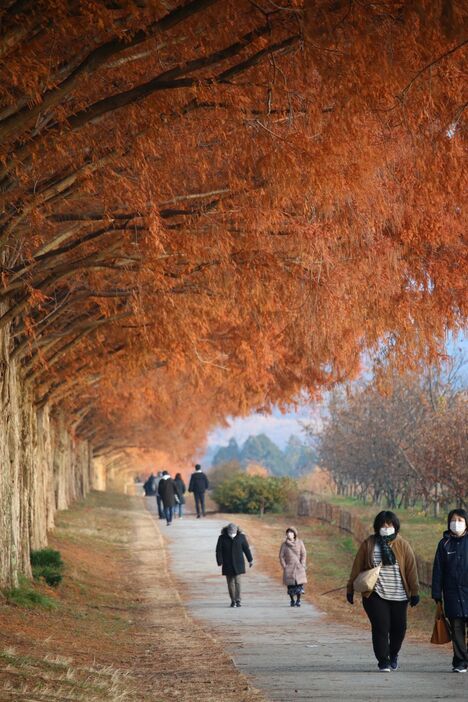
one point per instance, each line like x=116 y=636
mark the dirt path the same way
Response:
x=296 y=654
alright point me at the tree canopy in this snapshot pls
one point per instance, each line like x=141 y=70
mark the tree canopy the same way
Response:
x=209 y=206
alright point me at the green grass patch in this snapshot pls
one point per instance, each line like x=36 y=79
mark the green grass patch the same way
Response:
x=47 y=563
x=26 y=596
x=422 y=531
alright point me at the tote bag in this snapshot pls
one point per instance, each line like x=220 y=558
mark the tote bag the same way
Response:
x=441 y=631
x=366 y=580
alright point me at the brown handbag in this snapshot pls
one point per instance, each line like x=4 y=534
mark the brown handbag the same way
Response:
x=441 y=632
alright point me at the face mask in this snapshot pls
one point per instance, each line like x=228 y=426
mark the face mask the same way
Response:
x=457 y=527
x=387 y=531
x=231 y=534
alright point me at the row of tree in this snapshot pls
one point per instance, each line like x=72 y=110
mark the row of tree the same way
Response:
x=296 y=459
x=404 y=445
x=211 y=205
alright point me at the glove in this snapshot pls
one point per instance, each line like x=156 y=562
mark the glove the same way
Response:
x=350 y=597
x=250 y=564
x=414 y=600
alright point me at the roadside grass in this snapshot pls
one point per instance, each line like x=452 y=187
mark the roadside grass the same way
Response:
x=119 y=631
x=29 y=595
x=423 y=532
x=57 y=678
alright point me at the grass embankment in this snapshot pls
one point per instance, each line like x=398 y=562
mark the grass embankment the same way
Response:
x=423 y=532
x=330 y=556
x=115 y=629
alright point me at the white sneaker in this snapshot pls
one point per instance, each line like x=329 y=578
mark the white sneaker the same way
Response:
x=459 y=668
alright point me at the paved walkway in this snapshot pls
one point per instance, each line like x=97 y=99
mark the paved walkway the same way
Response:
x=297 y=654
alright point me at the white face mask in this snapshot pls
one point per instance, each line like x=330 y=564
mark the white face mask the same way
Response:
x=231 y=534
x=457 y=527
x=387 y=531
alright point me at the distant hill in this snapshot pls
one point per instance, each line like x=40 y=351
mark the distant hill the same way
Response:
x=296 y=459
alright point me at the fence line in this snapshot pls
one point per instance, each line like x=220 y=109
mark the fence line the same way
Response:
x=309 y=506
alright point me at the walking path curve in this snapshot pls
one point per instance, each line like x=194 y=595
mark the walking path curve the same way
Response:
x=297 y=654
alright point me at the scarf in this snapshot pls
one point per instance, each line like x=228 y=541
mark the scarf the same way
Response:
x=388 y=557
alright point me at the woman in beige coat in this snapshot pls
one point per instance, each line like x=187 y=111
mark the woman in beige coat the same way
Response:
x=292 y=557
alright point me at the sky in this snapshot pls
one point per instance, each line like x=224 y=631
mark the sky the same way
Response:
x=279 y=427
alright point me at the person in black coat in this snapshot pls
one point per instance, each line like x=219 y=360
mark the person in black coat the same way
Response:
x=180 y=488
x=168 y=494
x=231 y=548
x=149 y=486
x=199 y=485
x=450 y=583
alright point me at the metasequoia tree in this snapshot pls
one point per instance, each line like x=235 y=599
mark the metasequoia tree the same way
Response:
x=210 y=205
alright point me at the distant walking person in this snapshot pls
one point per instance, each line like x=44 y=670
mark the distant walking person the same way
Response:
x=292 y=557
x=199 y=485
x=397 y=584
x=231 y=548
x=450 y=583
x=167 y=492
x=180 y=488
x=149 y=486
x=159 y=501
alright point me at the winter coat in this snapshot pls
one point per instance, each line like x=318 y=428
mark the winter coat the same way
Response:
x=405 y=558
x=292 y=557
x=198 y=482
x=150 y=486
x=180 y=488
x=167 y=491
x=450 y=575
x=230 y=552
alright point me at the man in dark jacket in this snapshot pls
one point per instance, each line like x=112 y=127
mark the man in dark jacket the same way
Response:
x=167 y=492
x=159 y=502
x=199 y=485
x=230 y=550
x=450 y=582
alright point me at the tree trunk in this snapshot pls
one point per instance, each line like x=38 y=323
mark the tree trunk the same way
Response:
x=42 y=469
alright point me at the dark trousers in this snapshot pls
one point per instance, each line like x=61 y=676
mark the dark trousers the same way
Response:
x=459 y=628
x=388 y=621
x=234 y=587
x=160 y=506
x=168 y=514
x=199 y=503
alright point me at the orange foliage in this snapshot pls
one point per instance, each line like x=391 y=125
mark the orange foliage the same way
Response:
x=210 y=207
x=256 y=469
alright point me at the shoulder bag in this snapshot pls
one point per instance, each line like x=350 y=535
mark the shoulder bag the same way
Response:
x=365 y=581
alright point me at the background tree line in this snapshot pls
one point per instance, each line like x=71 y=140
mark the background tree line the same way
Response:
x=297 y=457
x=403 y=446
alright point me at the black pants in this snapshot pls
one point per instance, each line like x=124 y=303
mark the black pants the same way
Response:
x=388 y=620
x=199 y=503
x=459 y=628
x=160 y=506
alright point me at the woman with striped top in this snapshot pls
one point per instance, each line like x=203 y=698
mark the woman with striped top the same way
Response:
x=397 y=585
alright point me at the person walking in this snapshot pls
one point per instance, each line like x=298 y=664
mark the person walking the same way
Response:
x=292 y=557
x=231 y=548
x=167 y=492
x=149 y=486
x=159 y=501
x=180 y=489
x=450 y=583
x=397 y=585
x=199 y=485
